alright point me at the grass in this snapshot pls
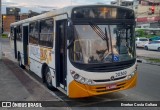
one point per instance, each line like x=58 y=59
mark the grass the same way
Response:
x=147 y=36
x=150 y=36
x=155 y=60
x=4 y=36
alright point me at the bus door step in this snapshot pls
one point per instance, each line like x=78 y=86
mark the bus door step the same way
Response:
x=27 y=67
x=62 y=90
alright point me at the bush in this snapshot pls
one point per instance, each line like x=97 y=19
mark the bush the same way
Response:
x=143 y=33
x=4 y=36
x=140 y=33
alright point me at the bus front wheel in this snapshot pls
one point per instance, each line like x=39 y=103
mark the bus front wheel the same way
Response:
x=48 y=79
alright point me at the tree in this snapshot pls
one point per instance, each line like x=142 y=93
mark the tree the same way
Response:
x=140 y=33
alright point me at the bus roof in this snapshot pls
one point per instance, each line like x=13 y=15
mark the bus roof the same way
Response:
x=52 y=13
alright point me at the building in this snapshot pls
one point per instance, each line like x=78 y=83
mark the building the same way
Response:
x=148 y=15
x=13 y=15
x=147 y=11
x=6 y=21
x=133 y=4
x=149 y=2
x=23 y=16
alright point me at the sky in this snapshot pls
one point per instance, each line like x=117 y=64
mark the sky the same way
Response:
x=45 y=5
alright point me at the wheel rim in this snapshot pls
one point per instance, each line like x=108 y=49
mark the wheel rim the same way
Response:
x=49 y=78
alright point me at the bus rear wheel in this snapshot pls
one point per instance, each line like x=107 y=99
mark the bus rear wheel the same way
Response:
x=48 y=79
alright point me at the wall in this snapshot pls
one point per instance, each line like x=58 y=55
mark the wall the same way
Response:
x=7 y=20
x=143 y=11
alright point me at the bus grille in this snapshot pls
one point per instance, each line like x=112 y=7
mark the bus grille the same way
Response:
x=106 y=80
x=108 y=68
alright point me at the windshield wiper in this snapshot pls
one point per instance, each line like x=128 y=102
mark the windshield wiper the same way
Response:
x=111 y=42
x=104 y=36
x=98 y=30
x=107 y=40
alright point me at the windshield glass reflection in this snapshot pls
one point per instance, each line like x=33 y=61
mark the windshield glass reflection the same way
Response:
x=102 y=43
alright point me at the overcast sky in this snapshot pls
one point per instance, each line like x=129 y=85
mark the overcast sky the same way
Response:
x=42 y=5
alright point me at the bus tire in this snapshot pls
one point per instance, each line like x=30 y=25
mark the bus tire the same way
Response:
x=48 y=79
x=20 y=62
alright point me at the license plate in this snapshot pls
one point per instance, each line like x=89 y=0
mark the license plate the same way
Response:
x=111 y=86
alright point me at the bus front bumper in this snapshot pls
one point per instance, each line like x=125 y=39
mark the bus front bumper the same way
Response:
x=77 y=90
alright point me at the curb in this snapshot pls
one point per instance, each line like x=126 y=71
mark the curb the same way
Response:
x=143 y=60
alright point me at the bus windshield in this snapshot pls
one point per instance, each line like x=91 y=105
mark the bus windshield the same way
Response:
x=103 y=43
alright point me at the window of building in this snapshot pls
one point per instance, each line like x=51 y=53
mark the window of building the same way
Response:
x=46 y=33
x=34 y=33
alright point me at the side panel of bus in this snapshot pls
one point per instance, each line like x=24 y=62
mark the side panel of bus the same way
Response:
x=41 y=48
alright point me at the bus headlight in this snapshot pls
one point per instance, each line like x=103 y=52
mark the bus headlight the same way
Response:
x=131 y=75
x=81 y=79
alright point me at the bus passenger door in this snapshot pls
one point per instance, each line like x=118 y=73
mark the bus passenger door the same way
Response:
x=25 y=44
x=60 y=56
x=15 y=42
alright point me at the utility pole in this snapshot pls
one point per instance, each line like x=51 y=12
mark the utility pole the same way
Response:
x=0 y=31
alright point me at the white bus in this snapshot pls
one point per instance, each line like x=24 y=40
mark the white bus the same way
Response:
x=80 y=50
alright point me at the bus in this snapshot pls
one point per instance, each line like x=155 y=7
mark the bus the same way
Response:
x=81 y=51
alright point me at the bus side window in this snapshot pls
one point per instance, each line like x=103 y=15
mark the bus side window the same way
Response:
x=33 y=33
x=46 y=33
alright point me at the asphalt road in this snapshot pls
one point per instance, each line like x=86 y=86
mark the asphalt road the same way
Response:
x=147 y=89
x=147 y=53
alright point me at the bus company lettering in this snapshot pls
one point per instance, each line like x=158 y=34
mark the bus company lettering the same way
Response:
x=27 y=104
x=34 y=105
